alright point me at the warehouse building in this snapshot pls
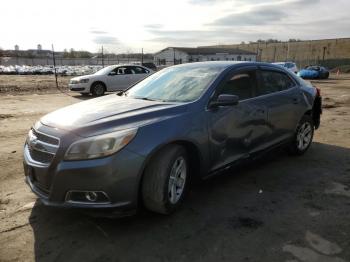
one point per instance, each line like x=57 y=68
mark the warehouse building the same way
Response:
x=179 y=55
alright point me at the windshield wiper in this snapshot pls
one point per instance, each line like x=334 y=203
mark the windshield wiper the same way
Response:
x=148 y=99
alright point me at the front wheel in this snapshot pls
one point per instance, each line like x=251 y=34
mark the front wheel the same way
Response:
x=303 y=136
x=98 y=89
x=166 y=179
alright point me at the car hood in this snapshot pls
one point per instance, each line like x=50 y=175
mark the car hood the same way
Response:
x=110 y=113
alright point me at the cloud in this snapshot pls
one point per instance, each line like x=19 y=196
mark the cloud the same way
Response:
x=97 y=32
x=205 y=2
x=259 y=16
x=264 y=14
x=204 y=37
x=153 y=26
x=105 y=40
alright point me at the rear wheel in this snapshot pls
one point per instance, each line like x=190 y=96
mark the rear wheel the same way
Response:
x=98 y=89
x=303 y=136
x=165 y=180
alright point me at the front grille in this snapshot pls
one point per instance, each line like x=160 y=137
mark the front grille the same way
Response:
x=41 y=148
x=45 y=138
x=39 y=156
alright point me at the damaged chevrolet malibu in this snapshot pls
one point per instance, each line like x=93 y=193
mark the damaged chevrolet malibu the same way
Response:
x=143 y=146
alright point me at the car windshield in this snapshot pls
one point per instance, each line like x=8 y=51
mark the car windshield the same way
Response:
x=175 y=84
x=105 y=70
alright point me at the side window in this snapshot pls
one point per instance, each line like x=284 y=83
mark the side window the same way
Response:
x=272 y=81
x=140 y=70
x=129 y=70
x=241 y=84
x=120 y=70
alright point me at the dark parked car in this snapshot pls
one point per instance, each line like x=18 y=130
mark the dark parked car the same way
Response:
x=186 y=121
x=314 y=72
x=151 y=66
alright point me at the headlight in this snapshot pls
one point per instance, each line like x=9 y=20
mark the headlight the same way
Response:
x=86 y=80
x=99 y=146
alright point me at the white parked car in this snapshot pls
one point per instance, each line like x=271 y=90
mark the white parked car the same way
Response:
x=110 y=78
x=289 y=65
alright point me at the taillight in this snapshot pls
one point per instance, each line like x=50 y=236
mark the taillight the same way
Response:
x=318 y=90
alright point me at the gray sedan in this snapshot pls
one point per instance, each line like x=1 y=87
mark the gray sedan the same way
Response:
x=144 y=145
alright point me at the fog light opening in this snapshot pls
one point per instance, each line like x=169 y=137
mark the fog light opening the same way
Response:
x=91 y=196
x=87 y=197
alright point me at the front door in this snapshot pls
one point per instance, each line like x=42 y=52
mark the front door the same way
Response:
x=235 y=131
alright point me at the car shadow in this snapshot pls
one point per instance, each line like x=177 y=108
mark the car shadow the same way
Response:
x=231 y=215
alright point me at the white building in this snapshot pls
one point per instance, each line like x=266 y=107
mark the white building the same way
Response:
x=179 y=55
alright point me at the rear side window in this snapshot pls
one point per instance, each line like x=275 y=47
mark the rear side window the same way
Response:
x=273 y=81
x=241 y=84
x=140 y=70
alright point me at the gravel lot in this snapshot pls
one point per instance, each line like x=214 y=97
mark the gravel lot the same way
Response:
x=279 y=208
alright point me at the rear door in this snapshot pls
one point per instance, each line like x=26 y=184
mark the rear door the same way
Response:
x=139 y=73
x=235 y=131
x=283 y=98
x=135 y=74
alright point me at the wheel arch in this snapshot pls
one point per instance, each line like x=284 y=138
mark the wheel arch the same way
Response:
x=96 y=82
x=194 y=155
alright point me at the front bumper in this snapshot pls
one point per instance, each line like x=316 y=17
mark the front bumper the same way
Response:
x=117 y=176
x=81 y=88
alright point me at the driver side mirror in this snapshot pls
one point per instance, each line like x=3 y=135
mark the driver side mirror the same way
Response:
x=112 y=73
x=225 y=100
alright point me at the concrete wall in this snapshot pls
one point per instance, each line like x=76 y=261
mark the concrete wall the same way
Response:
x=329 y=51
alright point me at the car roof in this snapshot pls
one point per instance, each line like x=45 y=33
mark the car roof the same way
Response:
x=227 y=64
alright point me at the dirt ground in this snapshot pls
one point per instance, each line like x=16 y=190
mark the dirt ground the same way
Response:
x=279 y=208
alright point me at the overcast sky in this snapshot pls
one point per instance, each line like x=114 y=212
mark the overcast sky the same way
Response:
x=127 y=26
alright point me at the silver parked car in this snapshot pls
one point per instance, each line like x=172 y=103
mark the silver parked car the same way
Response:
x=110 y=78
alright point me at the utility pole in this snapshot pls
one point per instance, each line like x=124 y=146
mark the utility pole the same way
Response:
x=54 y=65
x=174 y=55
x=103 y=62
x=142 y=56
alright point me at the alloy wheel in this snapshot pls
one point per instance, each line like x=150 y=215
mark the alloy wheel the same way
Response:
x=304 y=136
x=177 y=180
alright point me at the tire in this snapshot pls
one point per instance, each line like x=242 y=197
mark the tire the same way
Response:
x=163 y=188
x=303 y=136
x=98 y=89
